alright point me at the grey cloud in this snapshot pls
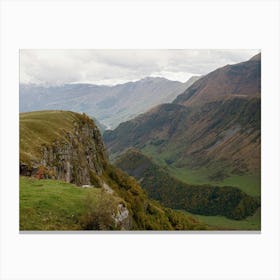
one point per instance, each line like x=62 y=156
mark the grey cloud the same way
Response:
x=115 y=66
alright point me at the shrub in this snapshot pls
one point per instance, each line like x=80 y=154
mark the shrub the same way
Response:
x=99 y=212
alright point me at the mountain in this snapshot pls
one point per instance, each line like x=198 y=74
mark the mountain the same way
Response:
x=239 y=80
x=226 y=131
x=256 y=57
x=67 y=182
x=205 y=200
x=210 y=134
x=110 y=105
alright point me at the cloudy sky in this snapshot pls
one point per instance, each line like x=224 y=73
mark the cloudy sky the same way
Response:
x=109 y=67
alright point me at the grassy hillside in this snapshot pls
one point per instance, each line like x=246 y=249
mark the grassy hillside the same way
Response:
x=205 y=200
x=249 y=183
x=54 y=205
x=147 y=214
x=43 y=128
x=79 y=154
x=211 y=133
x=217 y=143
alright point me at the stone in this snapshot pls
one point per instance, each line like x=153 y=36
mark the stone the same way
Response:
x=72 y=160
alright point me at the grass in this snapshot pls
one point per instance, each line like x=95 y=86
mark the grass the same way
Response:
x=158 y=157
x=222 y=223
x=42 y=127
x=249 y=183
x=51 y=204
x=193 y=177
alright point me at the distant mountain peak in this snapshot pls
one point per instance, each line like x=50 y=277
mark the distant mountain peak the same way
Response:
x=154 y=79
x=256 y=57
x=237 y=80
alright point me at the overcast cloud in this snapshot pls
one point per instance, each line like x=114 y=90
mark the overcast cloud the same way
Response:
x=108 y=67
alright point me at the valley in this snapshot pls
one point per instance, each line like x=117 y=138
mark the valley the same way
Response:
x=249 y=183
x=209 y=135
x=153 y=154
x=203 y=199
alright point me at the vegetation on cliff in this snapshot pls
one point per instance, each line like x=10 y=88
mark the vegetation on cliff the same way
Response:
x=65 y=142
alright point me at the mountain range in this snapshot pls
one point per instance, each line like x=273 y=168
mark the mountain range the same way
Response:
x=194 y=147
x=110 y=105
x=211 y=133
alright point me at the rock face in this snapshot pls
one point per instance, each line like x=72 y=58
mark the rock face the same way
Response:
x=78 y=157
x=122 y=217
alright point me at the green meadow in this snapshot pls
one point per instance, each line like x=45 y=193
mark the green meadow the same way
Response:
x=222 y=223
x=249 y=183
x=52 y=204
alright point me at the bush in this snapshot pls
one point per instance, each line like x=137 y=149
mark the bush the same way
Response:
x=99 y=212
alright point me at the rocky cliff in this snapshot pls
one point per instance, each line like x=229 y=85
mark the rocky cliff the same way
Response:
x=76 y=156
x=67 y=146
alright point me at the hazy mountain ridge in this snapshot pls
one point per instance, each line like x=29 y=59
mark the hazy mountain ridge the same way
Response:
x=213 y=128
x=111 y=105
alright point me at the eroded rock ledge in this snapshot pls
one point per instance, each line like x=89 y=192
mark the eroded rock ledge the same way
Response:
x=79 y=157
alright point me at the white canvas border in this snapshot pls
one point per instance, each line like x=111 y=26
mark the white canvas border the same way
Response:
x=157 y=24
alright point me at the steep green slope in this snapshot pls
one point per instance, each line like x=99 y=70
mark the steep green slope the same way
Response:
x=156 y=127
x=148 y=214
x=56 y=205
x=206 y=200
x=215 y=142
x=210 y=134
x=67 y=146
